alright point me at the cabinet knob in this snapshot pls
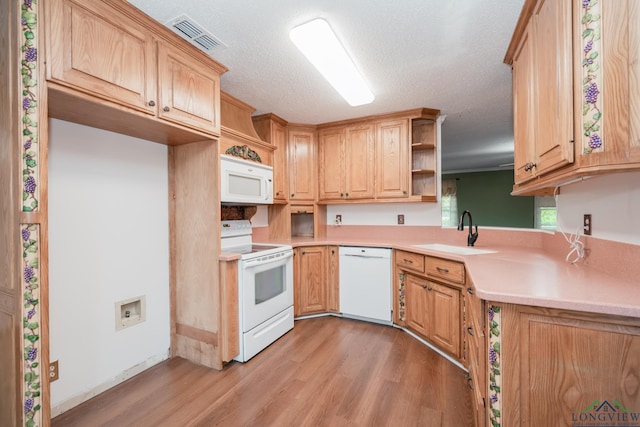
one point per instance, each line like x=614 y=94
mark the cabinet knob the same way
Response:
x=470 y=290
x=470 y=330
x=152 y=103
x=424 y=286
x=404 y=192
x=529 y=166
x=341 y=194
x=292 y=194
x=166 y=109
x=277 y=193
x=347 y=194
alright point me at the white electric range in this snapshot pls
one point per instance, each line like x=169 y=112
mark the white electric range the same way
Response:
x=265 y=288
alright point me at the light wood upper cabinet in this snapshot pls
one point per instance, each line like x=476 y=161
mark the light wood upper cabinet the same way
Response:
x=272 y=129
x=392 y=169
x=346 y=162
x=553 y=85
x=97 y=50
x=331 y=163
x=189 y=92
x=543 y=92
x=523 y=108
x=108 y=55
x=360 y=158
x=302 y=164
x=576 y=91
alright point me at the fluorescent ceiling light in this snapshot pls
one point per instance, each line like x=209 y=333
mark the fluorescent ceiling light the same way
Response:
x=322 y=48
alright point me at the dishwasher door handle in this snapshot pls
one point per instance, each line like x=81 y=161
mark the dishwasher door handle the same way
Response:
x=365 y=256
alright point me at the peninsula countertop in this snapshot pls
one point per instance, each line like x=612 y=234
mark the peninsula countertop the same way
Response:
x=521 y=275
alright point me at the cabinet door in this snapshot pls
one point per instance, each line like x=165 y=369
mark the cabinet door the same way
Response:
x=554 y=85
x=331 y=163
x=302 y=164
x=444 y=320
x=99 y=51
x=280 y=180
x=313 y=279
x=333 y=273
x=360 y=162
x=523 y=109
x=189 y=91
x=392 y=170
x=416 y=304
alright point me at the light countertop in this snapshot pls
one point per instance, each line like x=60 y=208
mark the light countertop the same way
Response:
x=523 y=275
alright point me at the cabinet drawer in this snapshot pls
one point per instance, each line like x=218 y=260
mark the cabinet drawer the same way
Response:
x=301 y=209
x=410 y=261
x=451 y=271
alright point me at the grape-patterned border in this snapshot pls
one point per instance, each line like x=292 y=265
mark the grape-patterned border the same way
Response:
x=30 y=236
x=401 y=298
x=29 y=73
x=591 y=77
x=495 y=377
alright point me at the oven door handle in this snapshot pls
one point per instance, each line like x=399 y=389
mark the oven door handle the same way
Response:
x=250 y=263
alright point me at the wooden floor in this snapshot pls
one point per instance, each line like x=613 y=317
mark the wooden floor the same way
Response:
x=327 y=371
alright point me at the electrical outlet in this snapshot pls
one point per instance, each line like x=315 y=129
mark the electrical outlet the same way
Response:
x=338 y=219
x=587 y=224
x=400 y=219
x=53 y=371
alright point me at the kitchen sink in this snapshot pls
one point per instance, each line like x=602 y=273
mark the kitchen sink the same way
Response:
x=458 y=250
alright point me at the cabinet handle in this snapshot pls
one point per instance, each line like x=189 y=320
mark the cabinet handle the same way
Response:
x=470 y=383
x=404 y=192
x=341 y=194
x=277 y=193
x=429 y=288
x=166 y=109
x=347 y=194
x=408 y=261
x=424 y=286
x=442 y=270
x=470 y=290
x=292 y=194
x=152 y=103
x=529 y=166
x=470 y=330
x=333 y=251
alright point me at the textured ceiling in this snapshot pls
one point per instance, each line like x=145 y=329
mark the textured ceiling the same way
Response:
x=443 y=54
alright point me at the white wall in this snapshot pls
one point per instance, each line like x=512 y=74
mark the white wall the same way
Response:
x=108 y=241
x=612 y=200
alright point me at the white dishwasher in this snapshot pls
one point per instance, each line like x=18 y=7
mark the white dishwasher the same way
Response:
x=365 y=283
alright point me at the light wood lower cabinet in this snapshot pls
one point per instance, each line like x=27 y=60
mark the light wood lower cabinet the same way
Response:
x=333 y=279
x=564 y=368
x=433 y=311
x=474 y=353
x=310 y=280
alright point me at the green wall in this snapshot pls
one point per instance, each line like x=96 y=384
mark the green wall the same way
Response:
x=487 y=196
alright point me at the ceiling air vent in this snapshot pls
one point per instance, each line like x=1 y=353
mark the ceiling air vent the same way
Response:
x=195 y=34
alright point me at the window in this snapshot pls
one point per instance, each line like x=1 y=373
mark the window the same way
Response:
x=449 y=203
x=545 y=212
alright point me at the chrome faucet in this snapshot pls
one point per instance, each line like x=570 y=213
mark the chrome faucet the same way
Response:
x=472 y=237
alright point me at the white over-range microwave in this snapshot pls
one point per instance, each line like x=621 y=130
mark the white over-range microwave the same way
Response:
x=245 y=183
